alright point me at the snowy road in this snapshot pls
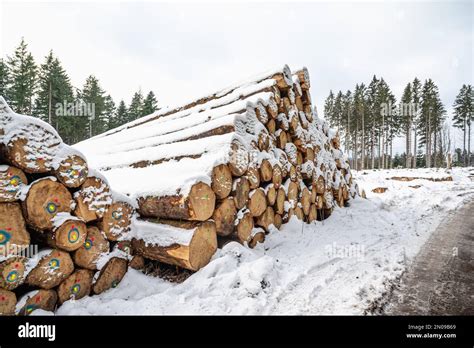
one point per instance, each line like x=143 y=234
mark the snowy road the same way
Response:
x=441 y=279
x=342 y=265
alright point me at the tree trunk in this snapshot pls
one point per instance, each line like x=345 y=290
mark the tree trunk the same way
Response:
x=469 y=144
x=72 y=171
x=224 y=217
x=14 y=236
x=221 y=181
x=110 y=275
x=8 y=303
x=266 y=219
x=240 y=192
x=464 y=143
x=363 y=143
x=95 y=245
x=38 y=299
x=12 y=180
x=51 y=270
x=116 y=220
x=257 y=202
x=68 y=236
x=197 y=205
x=197 y=254
x=244 y=227
x=92 y=199
x=415 y=152
x=76 y=286
x=408 y=144
x=12 y=272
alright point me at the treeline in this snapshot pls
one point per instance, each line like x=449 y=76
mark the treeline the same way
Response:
x=46 y=91
x=369 y=118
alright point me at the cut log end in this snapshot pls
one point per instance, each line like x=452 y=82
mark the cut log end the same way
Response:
x=51 y=270
x=241 y=192
x=110 y=275
x=224 y=217
x=116 y=220
x=194 y=256
x=12 y=273
x=70 y=236
x=12 y=180
x=14 y=236
x=198 y=205
x=88 y=254
x=92 y=199
x=45 y=199
x=221 y=181
x=7 y=302
x=72 y=171
x=244 y=227
x=76 y=286
x=258 y=202
x=266 y=219
x=40 y=299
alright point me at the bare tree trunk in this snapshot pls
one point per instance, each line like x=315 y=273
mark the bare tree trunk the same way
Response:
x=372 y=150
x=414 y=148
x=464 y=144
x=408 y=144
x=355 y=146
x=391 y=154
x=469 y=143
x=383 y=141
x=363 y=144
x=434 y=151
x=379 y=154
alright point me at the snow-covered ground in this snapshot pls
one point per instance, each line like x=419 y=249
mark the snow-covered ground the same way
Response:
x=337 y=266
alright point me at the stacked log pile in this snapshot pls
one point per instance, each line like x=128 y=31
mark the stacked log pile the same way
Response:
x=232 y=166
x=52 y=203
x=238 y=164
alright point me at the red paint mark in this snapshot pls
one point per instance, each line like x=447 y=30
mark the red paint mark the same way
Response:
x=92 y=239
x=9 y=228
x=73 y=226
x=56 y=200
x=37 y=299
x=17 y=265
x=2 y=298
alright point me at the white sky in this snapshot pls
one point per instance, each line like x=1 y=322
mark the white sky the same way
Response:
x=184 y=50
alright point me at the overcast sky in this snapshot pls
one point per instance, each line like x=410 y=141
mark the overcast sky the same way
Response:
x=183 y=50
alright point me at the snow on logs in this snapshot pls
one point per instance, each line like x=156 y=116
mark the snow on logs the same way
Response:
x=246 y=158
x=50 y=198
x=187 y=244
x=233 y=165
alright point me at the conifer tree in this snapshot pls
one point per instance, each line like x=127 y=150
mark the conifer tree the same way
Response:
x=406 y=116
x=93 y=97
x=54 y=91
x=150 y=104
x=416 y=99
x=23 y=78
x=4 y=80
x=463 y=117
x=135 y=109
x=121 y=116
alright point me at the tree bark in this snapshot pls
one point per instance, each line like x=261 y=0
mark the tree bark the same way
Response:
x=193 y=256
x=197 y=205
